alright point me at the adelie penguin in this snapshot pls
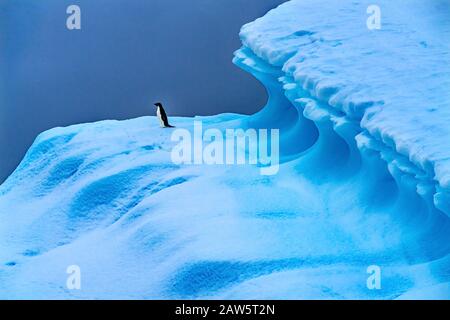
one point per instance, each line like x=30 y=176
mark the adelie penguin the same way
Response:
x=162 y=116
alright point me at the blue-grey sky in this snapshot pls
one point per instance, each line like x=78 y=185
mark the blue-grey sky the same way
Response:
x=127 y=54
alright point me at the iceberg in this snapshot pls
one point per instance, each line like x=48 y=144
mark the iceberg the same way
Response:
x=363 y=181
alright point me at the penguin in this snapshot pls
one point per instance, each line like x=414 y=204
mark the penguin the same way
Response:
x=162 y=116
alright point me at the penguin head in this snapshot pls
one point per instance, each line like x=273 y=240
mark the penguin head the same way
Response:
x=158 y=104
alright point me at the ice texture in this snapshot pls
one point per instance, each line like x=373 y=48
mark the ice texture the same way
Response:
x=364 y=180
x=393 y=82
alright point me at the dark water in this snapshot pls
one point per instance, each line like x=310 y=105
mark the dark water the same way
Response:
x=127 y=54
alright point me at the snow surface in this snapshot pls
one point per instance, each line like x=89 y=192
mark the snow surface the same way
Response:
x=365 y=179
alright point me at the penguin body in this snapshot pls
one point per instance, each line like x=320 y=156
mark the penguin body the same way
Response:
x=162 y=116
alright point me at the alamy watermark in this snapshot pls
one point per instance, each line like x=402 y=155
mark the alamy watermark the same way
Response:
x=374 y=280
x=73 y=21
x=374 y=20
x=73 y=281
x=232 y=147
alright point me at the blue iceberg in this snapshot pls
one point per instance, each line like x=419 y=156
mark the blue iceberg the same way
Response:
x=364 y=178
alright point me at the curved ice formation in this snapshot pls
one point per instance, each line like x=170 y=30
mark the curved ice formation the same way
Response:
x=365 y=179
x=389 y=87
